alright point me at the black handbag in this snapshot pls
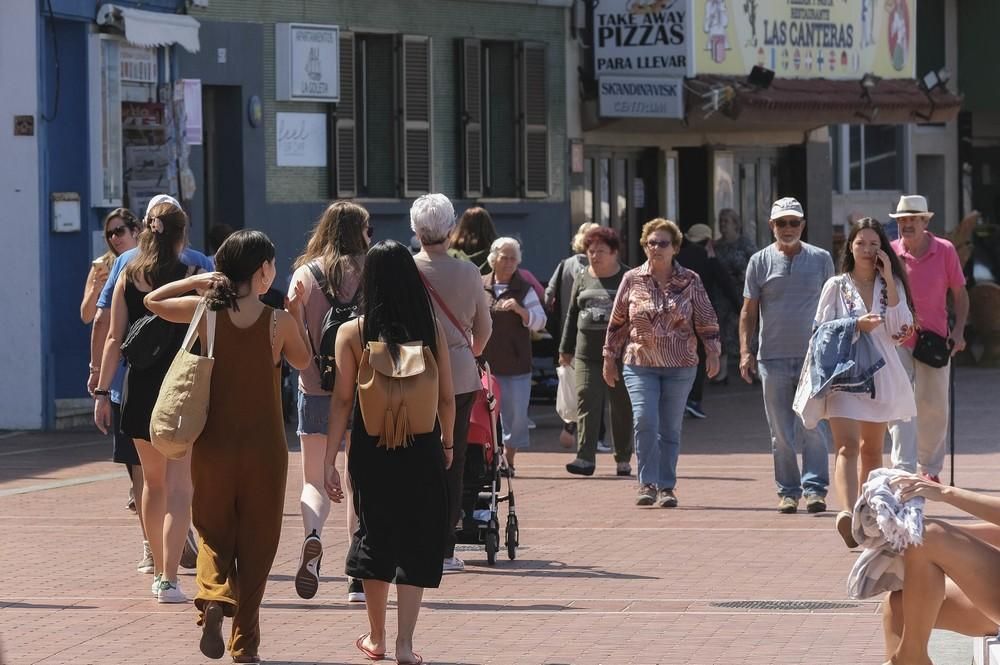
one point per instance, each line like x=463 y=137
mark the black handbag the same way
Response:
x=932 y=349
x=148 y=340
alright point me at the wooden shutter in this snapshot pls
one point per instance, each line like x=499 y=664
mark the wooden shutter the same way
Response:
x=344 y=182
x=415 y=114
x=471 y=116
x=534 y=152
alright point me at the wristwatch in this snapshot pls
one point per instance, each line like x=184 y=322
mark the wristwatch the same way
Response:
x=102 y=393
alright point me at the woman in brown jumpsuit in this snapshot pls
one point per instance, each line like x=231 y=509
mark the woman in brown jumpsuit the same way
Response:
x=240 y=460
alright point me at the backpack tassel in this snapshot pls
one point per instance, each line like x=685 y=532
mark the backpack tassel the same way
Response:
x=395 y=430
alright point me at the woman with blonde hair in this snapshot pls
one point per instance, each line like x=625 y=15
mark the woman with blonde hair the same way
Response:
x=121 y=229
x=166 y=499
x=660 y=313
x=329 y=273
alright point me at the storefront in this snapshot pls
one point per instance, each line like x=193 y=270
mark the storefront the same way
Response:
x=111 y=133
x=688 y=107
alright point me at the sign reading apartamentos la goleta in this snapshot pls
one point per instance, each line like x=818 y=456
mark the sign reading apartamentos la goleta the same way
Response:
x=307 y=62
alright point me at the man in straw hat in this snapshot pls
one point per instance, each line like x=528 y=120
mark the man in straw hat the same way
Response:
x=783 y=285
x=934 y=271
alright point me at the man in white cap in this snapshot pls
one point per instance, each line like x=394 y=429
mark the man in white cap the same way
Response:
x=934 y=271
x=783 y=285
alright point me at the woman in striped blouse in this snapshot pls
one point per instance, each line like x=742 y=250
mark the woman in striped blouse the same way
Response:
x=659 y=309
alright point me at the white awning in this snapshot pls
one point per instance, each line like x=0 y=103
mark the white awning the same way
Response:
x=144 y=28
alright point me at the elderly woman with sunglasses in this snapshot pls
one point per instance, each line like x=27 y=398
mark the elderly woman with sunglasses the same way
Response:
x=121 y=230
x=660 y=307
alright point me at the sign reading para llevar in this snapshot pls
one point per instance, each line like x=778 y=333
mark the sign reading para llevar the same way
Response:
x=642 y=37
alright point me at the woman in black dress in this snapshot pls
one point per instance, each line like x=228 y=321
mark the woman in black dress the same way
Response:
x=400 y=494
x=166 y=499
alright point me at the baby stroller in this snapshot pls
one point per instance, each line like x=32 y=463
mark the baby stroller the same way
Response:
x=484 y=462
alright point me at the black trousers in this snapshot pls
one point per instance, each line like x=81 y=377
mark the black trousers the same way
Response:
x=456 y=473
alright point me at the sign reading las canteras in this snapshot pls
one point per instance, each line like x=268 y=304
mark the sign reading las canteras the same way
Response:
x=833 y=39
x=642 y=37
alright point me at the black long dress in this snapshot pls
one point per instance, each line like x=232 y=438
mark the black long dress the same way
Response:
x=142 y=386
x=401 y=498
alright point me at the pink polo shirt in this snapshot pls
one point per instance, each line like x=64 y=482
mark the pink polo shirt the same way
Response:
x=931 y=277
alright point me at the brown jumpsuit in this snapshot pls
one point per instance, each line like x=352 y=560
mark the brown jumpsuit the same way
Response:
x=239 y=465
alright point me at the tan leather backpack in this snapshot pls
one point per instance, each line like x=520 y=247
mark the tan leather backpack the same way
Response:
x=398 y=392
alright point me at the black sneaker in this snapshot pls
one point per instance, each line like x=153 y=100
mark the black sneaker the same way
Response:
x=355 y=591
x=307 y=578
x=581 y=467
x=189 y=556
x=694 y=409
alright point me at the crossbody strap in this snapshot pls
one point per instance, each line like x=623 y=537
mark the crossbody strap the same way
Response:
x=444 y=308
x=321 y=282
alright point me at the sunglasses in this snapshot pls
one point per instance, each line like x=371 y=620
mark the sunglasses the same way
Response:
x=662 y=244
x=782 y=223
x=370 y=230
x=116 y=232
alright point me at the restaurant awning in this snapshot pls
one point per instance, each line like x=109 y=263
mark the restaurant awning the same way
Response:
x=145 y=28
x=817 y=102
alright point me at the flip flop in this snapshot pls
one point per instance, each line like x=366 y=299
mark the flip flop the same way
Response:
x=369 y=654
x=418 y=661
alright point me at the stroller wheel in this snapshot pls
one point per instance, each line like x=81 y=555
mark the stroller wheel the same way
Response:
x=511 y=537
x=492 y=545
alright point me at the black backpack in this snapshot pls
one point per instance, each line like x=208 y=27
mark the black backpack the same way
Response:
x=338 y=314
x=149 y=338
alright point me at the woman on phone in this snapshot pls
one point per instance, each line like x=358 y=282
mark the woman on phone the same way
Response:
x=240 y=460
x=121 y=229
x=872 y=289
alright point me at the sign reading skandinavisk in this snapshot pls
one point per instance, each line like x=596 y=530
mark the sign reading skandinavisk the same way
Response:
x=640 y=97
x=830 y=39
x=642 y=37
x=307 y=62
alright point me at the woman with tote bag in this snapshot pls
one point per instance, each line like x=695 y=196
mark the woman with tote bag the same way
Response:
x=239 y=462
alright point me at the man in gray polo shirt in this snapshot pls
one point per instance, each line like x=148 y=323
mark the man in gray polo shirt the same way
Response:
x=783 y=285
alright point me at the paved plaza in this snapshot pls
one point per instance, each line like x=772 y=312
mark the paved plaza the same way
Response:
x=722 y=579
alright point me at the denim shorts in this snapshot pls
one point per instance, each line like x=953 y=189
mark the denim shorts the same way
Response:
x=314 y=414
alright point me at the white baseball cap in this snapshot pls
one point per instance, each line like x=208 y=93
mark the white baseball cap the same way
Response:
x=786 y=207
x=161 y=198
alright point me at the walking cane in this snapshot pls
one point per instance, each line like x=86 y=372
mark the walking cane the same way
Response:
x=951 y=416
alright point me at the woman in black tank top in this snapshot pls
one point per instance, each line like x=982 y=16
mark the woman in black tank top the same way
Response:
x=166 y=496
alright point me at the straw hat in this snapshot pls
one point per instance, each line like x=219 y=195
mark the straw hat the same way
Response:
x=911 y=205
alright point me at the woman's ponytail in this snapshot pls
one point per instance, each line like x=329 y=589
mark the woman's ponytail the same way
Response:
x=222 y=295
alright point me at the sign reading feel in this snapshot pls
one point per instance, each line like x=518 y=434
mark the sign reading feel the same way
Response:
x=641 y=37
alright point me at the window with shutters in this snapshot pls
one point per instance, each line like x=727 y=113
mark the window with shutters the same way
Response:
x=503 y=119
x=381 y=141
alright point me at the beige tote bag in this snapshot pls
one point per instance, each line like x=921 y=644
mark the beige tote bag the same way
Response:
x=181 y=408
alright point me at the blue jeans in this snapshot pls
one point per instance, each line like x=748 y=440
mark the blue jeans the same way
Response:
x=515 y=396
x=658 y=395
x=780 y=378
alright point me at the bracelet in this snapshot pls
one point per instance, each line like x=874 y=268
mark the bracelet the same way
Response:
x=447 y=447
x=102 y=393
x=94 y=370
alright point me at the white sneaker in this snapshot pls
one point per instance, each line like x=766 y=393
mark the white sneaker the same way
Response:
x=146 y=563
x=154 y=588
x=170 y=592
x=453 y=565
x=603 y=447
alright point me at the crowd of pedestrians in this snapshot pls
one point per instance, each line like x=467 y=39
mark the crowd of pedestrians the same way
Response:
x=388 y=344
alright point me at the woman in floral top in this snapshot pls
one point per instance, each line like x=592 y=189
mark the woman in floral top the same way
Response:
x=872 y=289
x=659 y=309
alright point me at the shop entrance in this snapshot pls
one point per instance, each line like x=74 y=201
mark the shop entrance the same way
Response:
x=620 y=190
x=223 y=147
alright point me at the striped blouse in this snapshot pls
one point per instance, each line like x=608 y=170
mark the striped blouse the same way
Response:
x=656 y=325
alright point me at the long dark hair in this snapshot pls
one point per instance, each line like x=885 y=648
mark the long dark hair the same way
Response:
x=394 y=301
x=474 y=232
x=159 y=245
x=338 y=240
x=239 y=257
x=847 y=261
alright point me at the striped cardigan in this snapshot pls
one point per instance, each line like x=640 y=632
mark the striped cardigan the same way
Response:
x=656 y=325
